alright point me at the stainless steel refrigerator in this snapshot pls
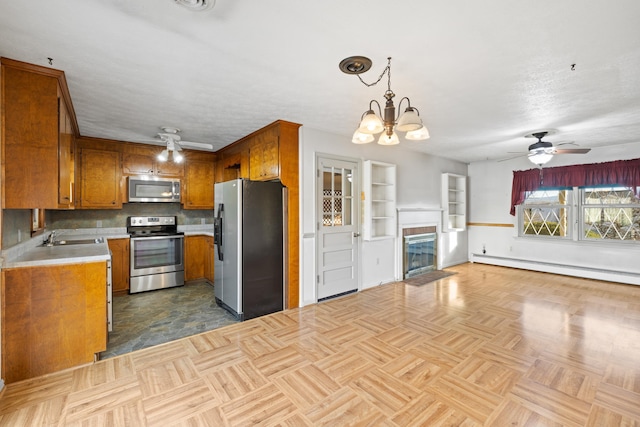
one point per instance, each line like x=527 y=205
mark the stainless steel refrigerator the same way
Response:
x=249 y=235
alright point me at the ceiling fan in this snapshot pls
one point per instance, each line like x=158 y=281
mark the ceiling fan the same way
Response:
x=541 y=151
x=170 y=136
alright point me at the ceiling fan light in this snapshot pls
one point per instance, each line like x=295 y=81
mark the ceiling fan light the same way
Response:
x=389 y=139
x=409 y=120
x=371 y=123
x=540 y=157
x=361 y=138
x=418 y=135
x=177 y=157
x=163 y=156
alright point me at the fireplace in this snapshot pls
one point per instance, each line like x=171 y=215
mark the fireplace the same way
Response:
x=420 y=251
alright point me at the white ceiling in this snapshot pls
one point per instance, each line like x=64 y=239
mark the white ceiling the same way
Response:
x=482 y=74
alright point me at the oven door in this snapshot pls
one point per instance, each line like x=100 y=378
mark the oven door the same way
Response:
x=155 y=255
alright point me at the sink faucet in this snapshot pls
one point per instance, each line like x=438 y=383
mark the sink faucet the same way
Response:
x=51 y=238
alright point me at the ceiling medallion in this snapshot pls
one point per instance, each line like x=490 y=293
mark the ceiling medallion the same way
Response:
x=370 y=123
x=197 y=5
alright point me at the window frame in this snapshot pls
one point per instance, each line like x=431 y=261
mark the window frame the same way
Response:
x=575 y=207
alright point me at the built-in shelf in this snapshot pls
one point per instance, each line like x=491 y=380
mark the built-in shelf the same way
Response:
x=454 y=202
x=379 y=200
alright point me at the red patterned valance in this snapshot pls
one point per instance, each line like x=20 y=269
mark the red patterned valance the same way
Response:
x=619 y=172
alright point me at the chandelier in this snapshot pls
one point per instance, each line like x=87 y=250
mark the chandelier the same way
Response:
x=370 y=123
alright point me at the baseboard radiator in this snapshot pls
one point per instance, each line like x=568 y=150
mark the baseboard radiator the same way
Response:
x=627 y=277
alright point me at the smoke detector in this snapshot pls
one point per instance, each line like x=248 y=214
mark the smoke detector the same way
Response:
x=197 y=5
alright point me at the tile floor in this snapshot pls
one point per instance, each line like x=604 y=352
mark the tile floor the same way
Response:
x=151 y=318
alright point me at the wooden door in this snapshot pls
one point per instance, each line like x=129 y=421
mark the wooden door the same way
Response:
x=100 y=171
x=119 y=265
x=199 y=179
x=195 y=249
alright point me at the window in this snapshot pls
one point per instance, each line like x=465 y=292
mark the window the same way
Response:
x=546 y=213
x=610 y=213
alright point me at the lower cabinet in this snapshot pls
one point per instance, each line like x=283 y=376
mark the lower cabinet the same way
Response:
x=198 y=258
x=120 y=258
x=53 y=318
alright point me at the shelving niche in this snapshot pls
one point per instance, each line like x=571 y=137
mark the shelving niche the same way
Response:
x=379 y=197
x=454 y=202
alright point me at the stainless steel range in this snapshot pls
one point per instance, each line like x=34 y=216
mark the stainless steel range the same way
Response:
x=157 y=253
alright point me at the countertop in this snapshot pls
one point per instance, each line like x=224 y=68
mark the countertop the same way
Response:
x=31 y=254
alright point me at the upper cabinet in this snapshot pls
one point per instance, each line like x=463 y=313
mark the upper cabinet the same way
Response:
x=379 y=184
x=143 y=161
x=454 y=202
x=37 y=130
x=100 y=179
x=197 y=193
x=264 y=159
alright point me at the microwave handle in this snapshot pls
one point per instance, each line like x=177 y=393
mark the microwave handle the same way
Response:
x=176 y=188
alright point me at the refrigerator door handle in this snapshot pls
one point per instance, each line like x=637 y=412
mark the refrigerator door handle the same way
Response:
x=218 y=230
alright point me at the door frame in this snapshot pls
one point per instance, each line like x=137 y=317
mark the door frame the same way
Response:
x=317 y=215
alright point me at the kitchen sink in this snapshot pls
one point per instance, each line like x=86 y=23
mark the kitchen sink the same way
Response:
x=69 y=242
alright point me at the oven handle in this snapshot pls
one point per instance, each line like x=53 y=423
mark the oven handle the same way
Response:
x=158 y=237
x=217 y=230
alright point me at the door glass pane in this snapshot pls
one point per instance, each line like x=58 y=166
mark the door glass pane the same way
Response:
x=337 y=199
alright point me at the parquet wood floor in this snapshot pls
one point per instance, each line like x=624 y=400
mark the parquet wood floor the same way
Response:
x=489 y=346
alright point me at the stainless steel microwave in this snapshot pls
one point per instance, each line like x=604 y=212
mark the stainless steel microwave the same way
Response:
x=151 y=189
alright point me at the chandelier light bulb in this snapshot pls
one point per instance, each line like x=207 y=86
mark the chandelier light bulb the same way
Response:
x=418 y=135
x=163 y=156
x=389 y=139
x=177 y=157
x=371 y=123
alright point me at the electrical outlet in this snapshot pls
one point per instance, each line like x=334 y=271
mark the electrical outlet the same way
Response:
x=202 y=221
x=484 y=249
x=98 y=223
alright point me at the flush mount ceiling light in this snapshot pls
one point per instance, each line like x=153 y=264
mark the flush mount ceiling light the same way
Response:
x=370 y=123
x=197 y=5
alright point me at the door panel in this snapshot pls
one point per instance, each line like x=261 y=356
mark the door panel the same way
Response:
x=337 y=183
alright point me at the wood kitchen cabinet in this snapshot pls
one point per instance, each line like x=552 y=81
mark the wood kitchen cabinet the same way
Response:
x=37 y=121
x=197 y=190
x=264 y=161
x=195 y=257
x=53 y=318
x=146 y=163
x=120 y=258
x=100 y=179
x=66 y=161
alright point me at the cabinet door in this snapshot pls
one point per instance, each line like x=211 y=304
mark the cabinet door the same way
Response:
x=30 y=119
x=65 y=157
x=195 y=248
x=119 y=265
x=264 y=161
x=137 y=164
x=100 y=184
x=169 y=169
x=199 y=182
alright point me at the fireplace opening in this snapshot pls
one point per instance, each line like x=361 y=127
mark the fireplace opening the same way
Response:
x=420 y=253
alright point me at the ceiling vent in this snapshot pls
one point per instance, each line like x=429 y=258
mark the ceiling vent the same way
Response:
x=197 y=5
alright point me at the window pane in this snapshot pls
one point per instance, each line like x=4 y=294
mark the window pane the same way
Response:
x=544 y=213
x=611 y=213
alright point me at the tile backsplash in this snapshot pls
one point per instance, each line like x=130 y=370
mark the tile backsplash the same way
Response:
x=108 y=218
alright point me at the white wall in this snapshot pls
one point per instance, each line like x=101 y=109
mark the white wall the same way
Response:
x=489 y=202
x=418 y=185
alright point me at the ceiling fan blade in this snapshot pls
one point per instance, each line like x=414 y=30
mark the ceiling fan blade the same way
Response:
x=196 y=145
x=512 y=157
x=571 y=151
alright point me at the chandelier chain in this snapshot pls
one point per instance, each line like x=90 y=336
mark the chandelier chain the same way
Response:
x=386 y=70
